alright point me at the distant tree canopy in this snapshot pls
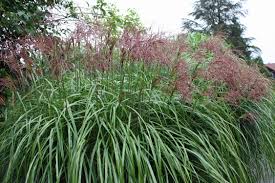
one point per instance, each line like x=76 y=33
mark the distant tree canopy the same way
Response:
x=23 y=17
x=214 y=15
x=222 y=16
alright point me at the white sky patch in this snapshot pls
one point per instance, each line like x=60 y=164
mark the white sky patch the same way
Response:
x=260 y=25
x=166 y=15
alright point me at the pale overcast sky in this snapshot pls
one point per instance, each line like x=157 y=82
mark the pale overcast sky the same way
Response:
x=166 y=15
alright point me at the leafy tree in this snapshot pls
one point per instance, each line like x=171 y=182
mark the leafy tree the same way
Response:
x=241 y=45
x=213 y=15
x=24 y=17
x=111 y=17
x=222 y=16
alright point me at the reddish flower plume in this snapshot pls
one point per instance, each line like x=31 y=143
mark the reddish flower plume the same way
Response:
x=183 y=82
x=242 y=81
x=150 y=47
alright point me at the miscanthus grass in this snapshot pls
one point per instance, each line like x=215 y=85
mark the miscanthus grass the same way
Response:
x=122 y=127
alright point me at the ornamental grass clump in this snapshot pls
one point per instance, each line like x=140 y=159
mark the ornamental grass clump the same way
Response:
x=137 y=107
